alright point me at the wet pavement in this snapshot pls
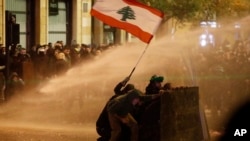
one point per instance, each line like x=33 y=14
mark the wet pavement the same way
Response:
x=30 y=133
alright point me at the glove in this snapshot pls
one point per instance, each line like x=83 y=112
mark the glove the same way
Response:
x=125 y=81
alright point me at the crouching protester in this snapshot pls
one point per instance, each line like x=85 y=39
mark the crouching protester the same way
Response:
x=102 y=124
x=119 y=111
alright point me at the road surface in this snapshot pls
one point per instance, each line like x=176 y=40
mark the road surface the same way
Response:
x=18 y=133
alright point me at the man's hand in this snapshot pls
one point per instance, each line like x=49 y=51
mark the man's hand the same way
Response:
x=124 y=82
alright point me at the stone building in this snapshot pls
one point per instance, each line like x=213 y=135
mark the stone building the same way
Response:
x=44 y=21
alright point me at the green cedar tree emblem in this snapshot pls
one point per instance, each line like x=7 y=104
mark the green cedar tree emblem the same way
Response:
x=127 y=13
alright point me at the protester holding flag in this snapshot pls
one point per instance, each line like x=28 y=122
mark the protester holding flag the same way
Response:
x=102 y=124
x=119 y=111
x=142 y=21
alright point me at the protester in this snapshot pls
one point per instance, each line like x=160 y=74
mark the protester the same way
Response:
x=102 y=124
x=2 y=85
x=61 y=65
x=15 y=85
x=149 y=112
x=119 y=111
x=154 y=85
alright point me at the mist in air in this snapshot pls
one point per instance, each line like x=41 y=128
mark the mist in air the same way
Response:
x=76 y=98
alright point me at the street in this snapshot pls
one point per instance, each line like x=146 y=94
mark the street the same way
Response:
x=24 y=133
x=47 y=119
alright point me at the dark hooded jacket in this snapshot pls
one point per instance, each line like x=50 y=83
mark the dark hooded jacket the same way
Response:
x=122 y=105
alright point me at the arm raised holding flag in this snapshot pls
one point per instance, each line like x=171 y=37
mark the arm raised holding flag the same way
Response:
x=142 y=21
x=136 y=18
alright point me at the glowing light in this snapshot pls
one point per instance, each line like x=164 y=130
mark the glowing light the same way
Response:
x=203 y=43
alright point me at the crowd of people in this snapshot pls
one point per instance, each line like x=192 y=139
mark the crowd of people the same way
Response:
x=40 y=63
x=223 y=75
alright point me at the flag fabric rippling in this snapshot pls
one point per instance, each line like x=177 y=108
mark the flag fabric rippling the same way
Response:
x=136 y=18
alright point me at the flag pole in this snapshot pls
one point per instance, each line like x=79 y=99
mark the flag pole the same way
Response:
x=138 y=61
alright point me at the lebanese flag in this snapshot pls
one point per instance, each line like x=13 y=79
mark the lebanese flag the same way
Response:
x=136 y=18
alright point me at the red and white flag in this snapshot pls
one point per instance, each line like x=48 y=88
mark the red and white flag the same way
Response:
x=136 y=18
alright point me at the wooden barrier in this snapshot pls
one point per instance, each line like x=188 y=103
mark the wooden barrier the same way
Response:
x=181 y=117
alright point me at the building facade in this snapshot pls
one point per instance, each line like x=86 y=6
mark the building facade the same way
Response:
x=44 y=21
